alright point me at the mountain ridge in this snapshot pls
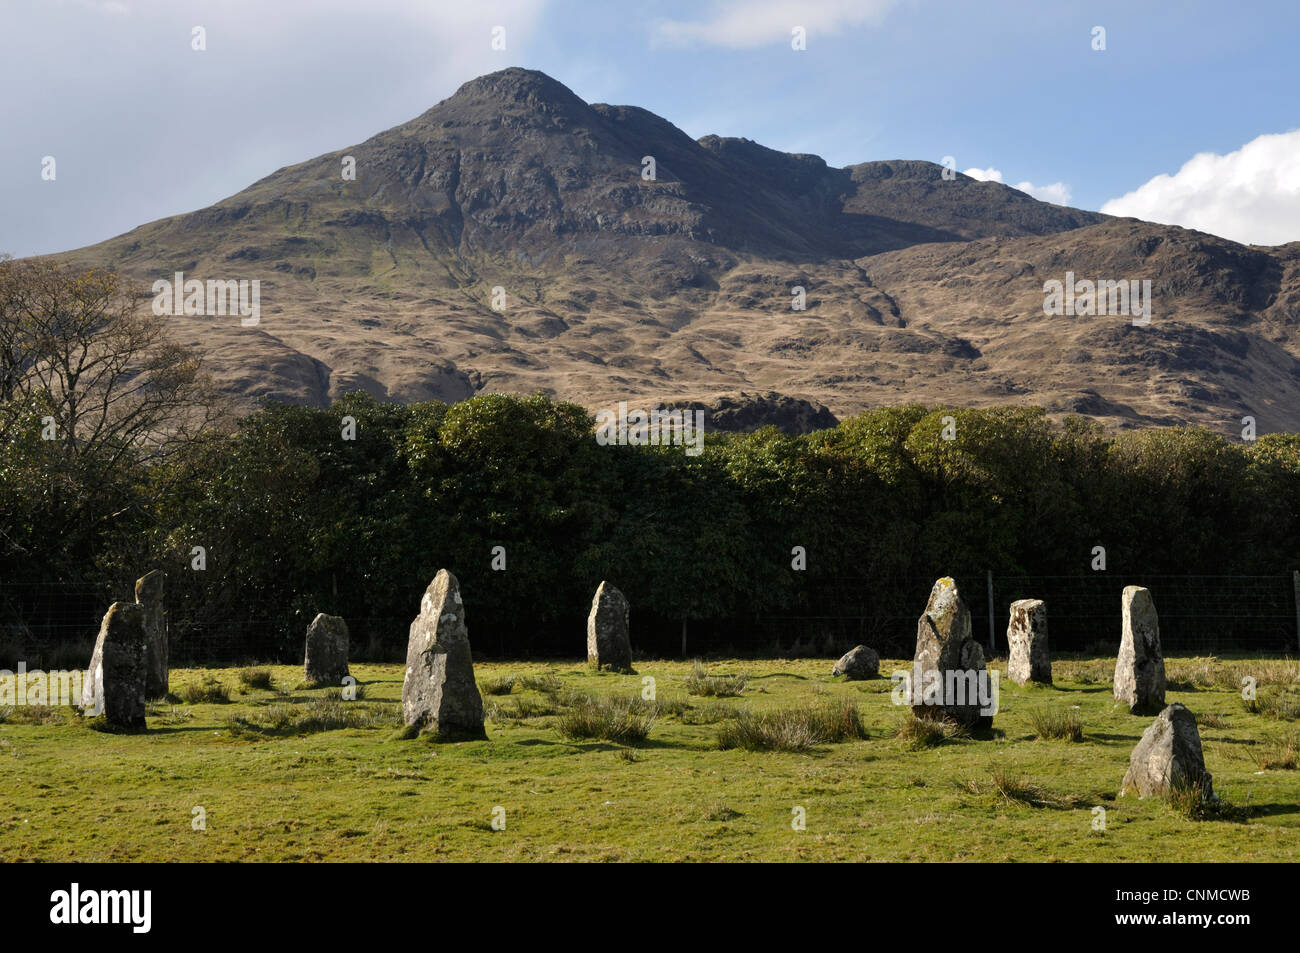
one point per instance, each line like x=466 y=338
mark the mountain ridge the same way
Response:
x=679 y=288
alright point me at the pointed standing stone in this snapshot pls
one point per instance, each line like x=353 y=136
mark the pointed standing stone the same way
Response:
x=1029 y=659
x=116 y=681
x=608 y=645
x=149 y=593
x=1140 y=668
x=439 y=693
x=1168 y=756
x=325 y=661
x=948 y=669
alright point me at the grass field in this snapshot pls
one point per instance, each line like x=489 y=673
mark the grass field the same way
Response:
x=277 y=780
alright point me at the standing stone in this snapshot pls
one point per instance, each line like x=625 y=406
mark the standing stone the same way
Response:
x=948 y=669
x=115 y=684
x=608 y=645
x=326 y=657
x=858 y=663
x=439 y=693
x=149 y=594
x=1030 y=659
x=1168 y=756
x=1140 y=668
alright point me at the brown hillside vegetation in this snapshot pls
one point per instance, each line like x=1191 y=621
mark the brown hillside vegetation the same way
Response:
x=679 y=289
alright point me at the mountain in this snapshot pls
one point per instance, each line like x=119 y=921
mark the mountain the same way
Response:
x=678 y=289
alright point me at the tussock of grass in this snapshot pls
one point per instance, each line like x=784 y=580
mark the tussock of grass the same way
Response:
x=35 y=715
x=158 y=713
x=498 y=686
x=721 y=812
x=1192 y=802
x=1016 y=790
x=522 y=708
x=547 y=684
x=1278 y=752
x=255 y=678
x=625 y=720
x=209 y=691
x=792 y=729
x=1281 y=707
x=699 y=682
x=1062 y=724
x=918 y=733
x=320 y=714
x=708 y=714
x=1207 y=719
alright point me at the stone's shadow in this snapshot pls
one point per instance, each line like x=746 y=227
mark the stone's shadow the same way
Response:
x=756 y=678
x=1272 y=810
x=178 y=729
x=1085 y=691
x=1130 y=739
x=1227 y=741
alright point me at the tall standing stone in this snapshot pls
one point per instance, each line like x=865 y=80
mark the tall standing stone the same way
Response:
x=1140 y=668
x=1169 y=756
x=948 y=669
x=1030 y=659
x=439 y=693
x=325 y=660
x=149 y=593
x=115 y=687
x=608 y=645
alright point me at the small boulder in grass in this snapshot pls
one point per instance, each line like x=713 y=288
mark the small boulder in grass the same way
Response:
x=857 y=664
x=1168 y=757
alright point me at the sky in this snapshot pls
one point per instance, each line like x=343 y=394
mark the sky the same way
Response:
x=1177 y=111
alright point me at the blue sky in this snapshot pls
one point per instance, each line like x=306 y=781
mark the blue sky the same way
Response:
x=142 y=126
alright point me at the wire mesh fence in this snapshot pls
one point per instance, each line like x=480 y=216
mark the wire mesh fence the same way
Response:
x=53 y=625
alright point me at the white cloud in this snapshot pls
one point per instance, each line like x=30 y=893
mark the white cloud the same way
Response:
x=1251 y=195
x=745 y=24
x=1058 y=193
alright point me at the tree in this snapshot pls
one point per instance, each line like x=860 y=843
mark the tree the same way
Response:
x=92 y=388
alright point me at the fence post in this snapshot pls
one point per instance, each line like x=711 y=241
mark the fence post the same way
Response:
x=989 y=573
x=1295 y=581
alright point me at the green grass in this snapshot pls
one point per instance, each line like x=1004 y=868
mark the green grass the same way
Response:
x=792 y=729
x=305 y=776
x=626 y=720
x=1056 y=724
x=699 y=682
